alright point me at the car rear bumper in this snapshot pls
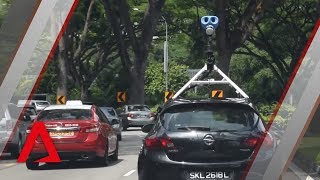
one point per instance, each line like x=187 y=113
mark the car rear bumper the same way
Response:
x=164 y=168
x=76 y=149
x=139 y=122
x=80 y=155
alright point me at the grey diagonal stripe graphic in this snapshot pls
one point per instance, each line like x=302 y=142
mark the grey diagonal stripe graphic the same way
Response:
x=304 y=94
x=14 y=24
x=33 y=53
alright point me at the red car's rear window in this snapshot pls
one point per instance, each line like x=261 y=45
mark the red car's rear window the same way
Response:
x=65 y=114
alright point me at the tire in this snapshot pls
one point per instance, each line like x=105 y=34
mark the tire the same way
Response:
x=104 y=161
x=114 y=157
x=146 y=174
x=125 y=128
x=119 y=137
x=32 y=165
x=17 y=149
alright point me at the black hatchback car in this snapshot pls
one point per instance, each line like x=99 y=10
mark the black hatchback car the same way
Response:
x=202 y=139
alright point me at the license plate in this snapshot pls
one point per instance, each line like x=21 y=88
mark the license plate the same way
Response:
x=210 y=175
x=66 y=133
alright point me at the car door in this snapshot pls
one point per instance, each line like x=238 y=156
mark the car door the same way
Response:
x=111 y=135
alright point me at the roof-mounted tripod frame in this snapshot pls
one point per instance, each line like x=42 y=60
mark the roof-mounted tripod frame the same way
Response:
x=210 y=23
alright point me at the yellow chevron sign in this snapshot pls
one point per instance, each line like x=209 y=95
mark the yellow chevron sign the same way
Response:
x=217 y=94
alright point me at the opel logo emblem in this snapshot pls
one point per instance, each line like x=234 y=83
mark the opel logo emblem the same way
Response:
x=208 y=139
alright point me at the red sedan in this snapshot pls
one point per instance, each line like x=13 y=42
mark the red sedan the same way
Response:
x=79 y=132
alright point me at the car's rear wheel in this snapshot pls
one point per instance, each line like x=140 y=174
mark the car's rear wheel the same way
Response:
x=17 y=149
x=31 y=164
x=104 y=161
x=125 y=128
x=114 y=157
x=146 y=174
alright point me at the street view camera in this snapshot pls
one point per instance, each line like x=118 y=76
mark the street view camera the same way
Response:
x=209 y=24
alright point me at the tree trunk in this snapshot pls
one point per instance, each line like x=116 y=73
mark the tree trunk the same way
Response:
x=136 y=89
x=223 y=38
x=84 y=92
x=62 y=68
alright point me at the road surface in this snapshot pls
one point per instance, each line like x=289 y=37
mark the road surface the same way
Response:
x=124 y=169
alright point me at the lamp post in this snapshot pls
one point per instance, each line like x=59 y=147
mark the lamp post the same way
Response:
x=165 y=54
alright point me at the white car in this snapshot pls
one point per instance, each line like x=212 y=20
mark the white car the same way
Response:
x=38 y=104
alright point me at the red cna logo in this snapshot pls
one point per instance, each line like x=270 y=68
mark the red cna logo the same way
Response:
x=39 y=129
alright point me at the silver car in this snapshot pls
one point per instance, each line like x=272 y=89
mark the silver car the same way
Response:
x=136 y=116
x=113 y=116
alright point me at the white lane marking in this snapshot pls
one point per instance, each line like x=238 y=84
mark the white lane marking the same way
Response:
x=10 y=164
x=130 y=172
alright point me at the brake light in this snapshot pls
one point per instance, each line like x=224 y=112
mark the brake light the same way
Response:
x=157 y=143
x=131 y=115
x=253 y=141
x=28 y=130
x=92 y=129
x=152 y=115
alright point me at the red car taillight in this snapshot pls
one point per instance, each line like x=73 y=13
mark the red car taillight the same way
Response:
x=90 y=129
x=157 y=143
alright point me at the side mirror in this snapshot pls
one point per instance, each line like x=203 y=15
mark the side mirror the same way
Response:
x=27 y=117
x=147 y=128
x=115 y=122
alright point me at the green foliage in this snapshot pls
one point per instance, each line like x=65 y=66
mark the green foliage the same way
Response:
x=255 y=79
x=4 y=6
x=283 y=115
x=155 y=80
x=274 y=46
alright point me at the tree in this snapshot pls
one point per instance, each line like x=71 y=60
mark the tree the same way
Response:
x=133 y=44
x=155 y=86
x=276 y=46
x=4 y=6
x=86 y=48
x=237 y=20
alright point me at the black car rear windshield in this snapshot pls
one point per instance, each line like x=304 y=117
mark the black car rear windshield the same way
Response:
x=65 y=114
x=209 y=118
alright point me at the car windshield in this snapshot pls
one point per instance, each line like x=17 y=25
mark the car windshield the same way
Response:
x=44 y=103
x=209 y=118
x=138 y=108
x=65 y=114
x=109 y=112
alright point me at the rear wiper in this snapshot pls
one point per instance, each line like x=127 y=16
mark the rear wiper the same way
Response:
x=189 y=128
